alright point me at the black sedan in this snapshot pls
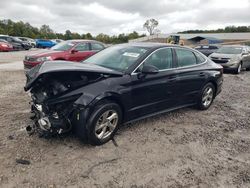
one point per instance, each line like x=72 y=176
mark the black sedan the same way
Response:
x=207 y=49
x=120 y=84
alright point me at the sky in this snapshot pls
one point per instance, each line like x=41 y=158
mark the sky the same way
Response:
x=124 y=16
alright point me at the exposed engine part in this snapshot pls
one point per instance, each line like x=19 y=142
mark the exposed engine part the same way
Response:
x=47 y=121
x=44 y=124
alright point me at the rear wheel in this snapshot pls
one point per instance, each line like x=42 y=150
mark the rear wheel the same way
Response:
x=206 y=96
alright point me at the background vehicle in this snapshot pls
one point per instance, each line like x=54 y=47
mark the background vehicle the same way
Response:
x=5 y=46
x=31 y=42
x=43 y=43
x=232 y=57
x=57 y=40
x=16 y=43
x=207 y=49
x=120 y=84
x=71 y=50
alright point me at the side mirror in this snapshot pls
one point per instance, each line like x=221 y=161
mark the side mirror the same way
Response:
x=73 y=51
x=149 y=69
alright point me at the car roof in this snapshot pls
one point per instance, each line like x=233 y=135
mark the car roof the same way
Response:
x=154 y=45
x=82 y=40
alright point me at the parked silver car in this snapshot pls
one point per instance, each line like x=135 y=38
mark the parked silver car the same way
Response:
x=32 y=42
x=234 y=57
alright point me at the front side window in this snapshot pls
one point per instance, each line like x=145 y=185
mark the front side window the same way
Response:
x=161 y=59
x=82 y=47
x=63 y=46
x=185 y=57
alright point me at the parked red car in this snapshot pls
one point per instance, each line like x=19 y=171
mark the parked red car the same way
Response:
x=71 y=50
x=5 y=46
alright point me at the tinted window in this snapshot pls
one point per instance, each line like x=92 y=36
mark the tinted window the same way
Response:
x=213 y=47
x=200 y=58
x=96 y=46
x=82 y=47
x=162 y=59
x=185 y=57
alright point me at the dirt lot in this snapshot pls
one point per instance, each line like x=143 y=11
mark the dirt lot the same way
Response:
x=185 y=148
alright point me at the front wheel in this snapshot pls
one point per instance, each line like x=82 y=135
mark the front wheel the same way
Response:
x=238 y=69
x=103 y=123
x=206 y=96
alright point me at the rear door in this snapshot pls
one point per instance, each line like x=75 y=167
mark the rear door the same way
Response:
x=191 y=75
x=80 y=52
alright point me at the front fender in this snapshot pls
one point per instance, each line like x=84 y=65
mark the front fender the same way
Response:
x=89 y=100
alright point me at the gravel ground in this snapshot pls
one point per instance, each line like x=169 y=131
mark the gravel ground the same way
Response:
x=9 y=57
x=184 y=148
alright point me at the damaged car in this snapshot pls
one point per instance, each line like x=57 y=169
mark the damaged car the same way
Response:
x=119 y=85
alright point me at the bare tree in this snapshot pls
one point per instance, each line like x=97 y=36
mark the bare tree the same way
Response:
x=150 y=25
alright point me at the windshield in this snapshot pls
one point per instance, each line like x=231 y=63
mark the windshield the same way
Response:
x=63 y=46
x=17 y=39
x=118 y=58
x=229 y=50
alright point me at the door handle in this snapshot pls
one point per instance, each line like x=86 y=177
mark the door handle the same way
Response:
x=202 y=74
x=172 y=78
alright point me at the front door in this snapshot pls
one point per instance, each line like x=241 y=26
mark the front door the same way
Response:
x=80 y=52
x=153 y=92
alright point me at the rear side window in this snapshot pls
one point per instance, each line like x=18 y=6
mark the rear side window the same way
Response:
x=96 y=46
x=185 y=57
x=162 y=59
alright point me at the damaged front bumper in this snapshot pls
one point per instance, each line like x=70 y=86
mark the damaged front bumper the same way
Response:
x=48 y=123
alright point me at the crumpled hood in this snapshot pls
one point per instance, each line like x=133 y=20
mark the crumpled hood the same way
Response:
x=64 y=67
x=219 y=55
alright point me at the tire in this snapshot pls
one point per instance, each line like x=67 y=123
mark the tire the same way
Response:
x=208 y=92
x=238 y=69
x=248 y=69
x=109 y=109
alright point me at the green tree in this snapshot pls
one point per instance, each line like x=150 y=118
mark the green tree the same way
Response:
x=150 y=25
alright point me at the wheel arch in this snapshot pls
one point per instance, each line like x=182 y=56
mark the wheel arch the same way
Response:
x=214 y=84
x=110 y=96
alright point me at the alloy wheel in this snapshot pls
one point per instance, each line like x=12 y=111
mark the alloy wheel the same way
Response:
x=207 y=96
x=239 y=69
x=106 y=124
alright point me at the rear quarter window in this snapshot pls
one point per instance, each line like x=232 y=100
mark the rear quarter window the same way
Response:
x=199 y=58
